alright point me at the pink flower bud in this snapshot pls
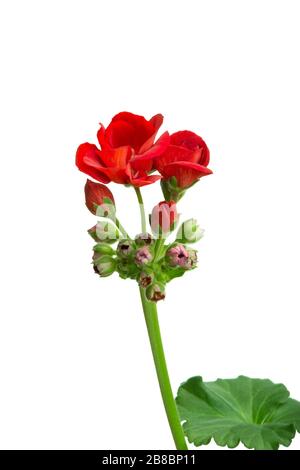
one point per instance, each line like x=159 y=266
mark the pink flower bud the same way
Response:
x=178 y=256
x=143 y=255
x=164 y=217
x=99 y=199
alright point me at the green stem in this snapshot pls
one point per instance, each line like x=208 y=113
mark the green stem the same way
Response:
x=121 y=228
x=160 y=242
x=142 y=209
x=151 y=318
x=152 y=323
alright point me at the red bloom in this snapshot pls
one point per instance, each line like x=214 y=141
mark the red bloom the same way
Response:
x=164 y=217
x=127 y=150
x=186 y=158
x=96 y=195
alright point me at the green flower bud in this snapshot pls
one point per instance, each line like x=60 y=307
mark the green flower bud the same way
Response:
x=145 y=279
x=125 y=248
x=189 y=232
x=93 y=234
x=155 y=292
x=105 y=265
x=104 y=249
x=104 y=232
x=144 y=239
x=127 y=269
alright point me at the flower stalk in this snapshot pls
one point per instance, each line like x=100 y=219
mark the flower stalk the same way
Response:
x=141 y=206
x=121 y=228
x=151 y=318
x=152 y=323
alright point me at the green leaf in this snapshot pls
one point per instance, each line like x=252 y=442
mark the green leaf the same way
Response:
x=173 y=272
x=256 y=412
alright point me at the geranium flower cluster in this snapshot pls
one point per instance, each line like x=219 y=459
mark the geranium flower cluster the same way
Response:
x=129 y=154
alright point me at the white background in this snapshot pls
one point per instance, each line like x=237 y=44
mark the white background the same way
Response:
x=76 y=370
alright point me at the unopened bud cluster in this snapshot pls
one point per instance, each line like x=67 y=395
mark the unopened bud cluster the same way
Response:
x=152 y=262
x=146 y=261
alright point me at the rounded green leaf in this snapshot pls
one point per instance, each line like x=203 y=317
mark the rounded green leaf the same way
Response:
x=256 y=412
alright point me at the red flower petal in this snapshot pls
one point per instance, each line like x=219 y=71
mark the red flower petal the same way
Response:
x=117 y=175
x=173 y=154
x=144 y=180
x=136 y=121
x=120 y=133
x=117 y=158
x=88 y=160
x=157 y=121
x=101 y=137
x=186 y=173
x=191 y=141
x=129 y=129
x=144 y=162
x=187 y=139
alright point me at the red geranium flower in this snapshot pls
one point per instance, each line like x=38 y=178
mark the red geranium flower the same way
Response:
x=127 y=150
x=186 y=159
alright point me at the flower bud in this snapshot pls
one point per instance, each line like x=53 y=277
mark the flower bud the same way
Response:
x=127 y=269
x=104 y=249
x=93 y=233
x=155 y=292
x=143 y=239
x=143 y=255
x=104 y=265
x=125 y=248
x=164 y=217
x=145 y=279
x=177 y=255
x=192 y=259
x=180 y=256
x=99 y=199
x=104 y=232
x=189 y=232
